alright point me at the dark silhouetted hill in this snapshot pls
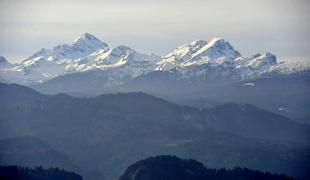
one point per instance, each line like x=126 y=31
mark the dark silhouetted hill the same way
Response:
x=173 y=168
x=38 y=173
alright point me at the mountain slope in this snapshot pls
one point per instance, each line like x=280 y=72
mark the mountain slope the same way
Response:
x=118 y=129
x=30 y=151
x=287 y=96
x=249 y=121
x=246 y=117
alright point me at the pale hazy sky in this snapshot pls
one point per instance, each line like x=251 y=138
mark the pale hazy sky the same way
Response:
x=277 y=26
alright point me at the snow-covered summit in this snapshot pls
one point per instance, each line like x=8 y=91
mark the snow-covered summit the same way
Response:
x=199 y=52
x=88 y=42
x=181 y=54
x=186 y=51
x=262 y=60
x=215 y=49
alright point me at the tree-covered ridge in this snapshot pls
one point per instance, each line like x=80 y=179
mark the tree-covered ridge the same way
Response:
x=173 y=168
x=38 y=173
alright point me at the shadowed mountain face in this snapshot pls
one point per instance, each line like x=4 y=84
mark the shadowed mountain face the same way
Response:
x=30 y=151
x=285 y=95
x=171 y=167
x=249 y=121
x=116 y=130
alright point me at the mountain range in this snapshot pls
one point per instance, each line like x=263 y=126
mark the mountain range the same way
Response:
x=108 y=133
x=91 y=62
x=203 y=100
x=200 y=73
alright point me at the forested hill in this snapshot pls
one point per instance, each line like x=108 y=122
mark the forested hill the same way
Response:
x=172 y=167
x=38 y=173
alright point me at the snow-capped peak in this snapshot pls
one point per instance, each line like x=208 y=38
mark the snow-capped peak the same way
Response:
x=123 y=55
x=82 y=46
x=121 y=51
x=217 y=40
x=216 y=48
x=185 y=51
x=4 y=63
x=88 y=41
x=85 y=36
x=181 y=54
x=49 y=63
x=262 y=60
x=199 y=52
x=3 y=60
